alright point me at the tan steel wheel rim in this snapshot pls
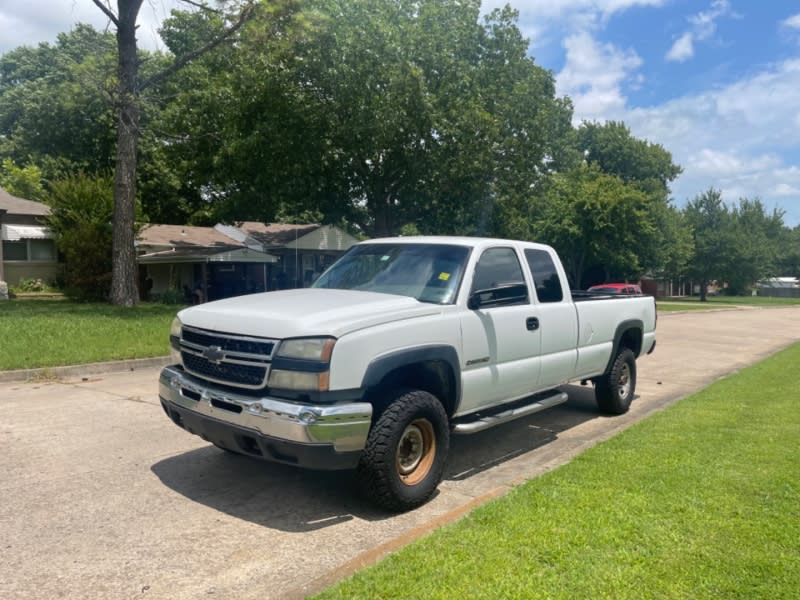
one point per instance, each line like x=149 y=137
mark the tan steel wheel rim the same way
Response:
x=416 y=451
x=624 y=384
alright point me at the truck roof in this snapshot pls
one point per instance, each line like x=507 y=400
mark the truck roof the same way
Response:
x=469 y=241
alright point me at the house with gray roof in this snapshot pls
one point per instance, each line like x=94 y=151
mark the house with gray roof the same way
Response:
x=28 y=250
x=233 y=259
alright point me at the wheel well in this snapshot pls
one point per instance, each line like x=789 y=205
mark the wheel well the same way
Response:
x=631 y=339
x=433 y=376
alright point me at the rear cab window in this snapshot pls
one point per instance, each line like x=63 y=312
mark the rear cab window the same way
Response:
x=545 y=275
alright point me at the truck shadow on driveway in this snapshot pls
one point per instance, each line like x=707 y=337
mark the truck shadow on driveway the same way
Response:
x=298 y=500
x=473 y=454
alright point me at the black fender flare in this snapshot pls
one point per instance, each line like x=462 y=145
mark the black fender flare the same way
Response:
x=623 y=328
x=387 y=363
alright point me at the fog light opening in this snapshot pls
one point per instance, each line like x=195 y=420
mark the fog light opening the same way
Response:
x=308 y=416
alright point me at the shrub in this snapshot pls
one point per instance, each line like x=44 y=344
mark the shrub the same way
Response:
x=171 y=296
x=31 y=285
x=81 y=220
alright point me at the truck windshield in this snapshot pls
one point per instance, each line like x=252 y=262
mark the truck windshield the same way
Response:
x=427 y=272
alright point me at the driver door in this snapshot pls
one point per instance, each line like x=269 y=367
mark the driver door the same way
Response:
x=501 y=344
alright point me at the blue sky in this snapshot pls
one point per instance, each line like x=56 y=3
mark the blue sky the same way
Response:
x=716 y=82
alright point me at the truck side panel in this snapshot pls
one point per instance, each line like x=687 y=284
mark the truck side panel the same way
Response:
x=558 y=321
x=598 y=322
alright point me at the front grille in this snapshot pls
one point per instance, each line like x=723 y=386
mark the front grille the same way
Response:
x=243 y=375
x=229 y=359
x=244 y=345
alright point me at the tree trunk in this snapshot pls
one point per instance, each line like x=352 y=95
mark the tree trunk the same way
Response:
x=485 y=216
x=576 y=273
x=123 y=270
x=703 y=290
x=382 y=223
x=123 y=273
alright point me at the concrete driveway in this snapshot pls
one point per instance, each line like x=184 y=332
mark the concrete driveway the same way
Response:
x=103 y=497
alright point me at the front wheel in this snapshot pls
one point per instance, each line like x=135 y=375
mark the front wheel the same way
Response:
x=614 y=392
x=403 y=461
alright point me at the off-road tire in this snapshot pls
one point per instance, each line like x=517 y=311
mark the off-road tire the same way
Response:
x=614 y=391
x=404 y=458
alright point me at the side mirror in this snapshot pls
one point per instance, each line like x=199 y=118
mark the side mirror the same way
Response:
x=501 y=295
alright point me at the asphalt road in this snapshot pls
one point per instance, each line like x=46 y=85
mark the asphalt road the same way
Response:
x=101 y=496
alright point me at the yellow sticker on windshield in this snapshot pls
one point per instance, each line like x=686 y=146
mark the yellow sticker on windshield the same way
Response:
x=444 y=276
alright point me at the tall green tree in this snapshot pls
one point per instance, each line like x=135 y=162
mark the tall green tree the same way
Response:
x=789 y=256
x=648 y=167
x=611 y=146
x=593 y=220
x=82 y=208
x=128 y=88
x=54 y=103
x=24 y=182
x=759 y=237
x=674 y=247
x=385 y=113
x=714 y=234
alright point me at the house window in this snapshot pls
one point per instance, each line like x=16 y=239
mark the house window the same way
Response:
x=44 y=250
x=29 y=250
x=15 y=250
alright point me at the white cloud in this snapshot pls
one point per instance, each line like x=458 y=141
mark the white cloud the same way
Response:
x=793 y=22
x=739 y=138
x=750 y=113
x=682 y=49
x=703 y=27
x=784 y=189
x=594 y=74
x=719 y=163
x=733 y=138
x=539 y=19
x=704 y=23
x=551 y=9
x=29 y=22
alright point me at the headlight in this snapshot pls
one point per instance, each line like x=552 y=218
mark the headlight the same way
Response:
x=307 y=348
x=298 y=380
x=175 y=333
x=302 y=364
x=175 y=339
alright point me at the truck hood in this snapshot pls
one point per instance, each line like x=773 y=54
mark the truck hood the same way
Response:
x=304 y=312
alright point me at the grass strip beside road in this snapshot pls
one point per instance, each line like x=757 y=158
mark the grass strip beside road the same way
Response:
x=47 y=333
x=698 y=501
x=686 y=306
x=722 y=301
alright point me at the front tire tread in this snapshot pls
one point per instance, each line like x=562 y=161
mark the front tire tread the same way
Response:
x=377 y=476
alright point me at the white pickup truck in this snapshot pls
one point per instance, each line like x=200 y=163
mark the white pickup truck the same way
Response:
x=398 y=345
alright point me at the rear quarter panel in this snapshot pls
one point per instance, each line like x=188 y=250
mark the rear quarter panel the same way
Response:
x=598 y=321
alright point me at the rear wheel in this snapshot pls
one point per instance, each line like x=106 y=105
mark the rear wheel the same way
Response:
x=403 y=461
x=614 y=392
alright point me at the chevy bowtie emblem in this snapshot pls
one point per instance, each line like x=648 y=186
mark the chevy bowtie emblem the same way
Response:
x=214 y=354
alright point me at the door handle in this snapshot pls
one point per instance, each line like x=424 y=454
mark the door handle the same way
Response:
x=532 y=323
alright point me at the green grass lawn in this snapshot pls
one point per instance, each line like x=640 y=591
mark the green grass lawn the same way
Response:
x=46 y=333
x=720 y=301
x=670 y=306
x=699 y=501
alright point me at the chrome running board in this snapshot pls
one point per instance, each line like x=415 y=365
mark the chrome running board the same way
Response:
x=488 y=421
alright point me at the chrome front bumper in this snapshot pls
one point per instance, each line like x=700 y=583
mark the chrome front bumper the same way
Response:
x=343 y=428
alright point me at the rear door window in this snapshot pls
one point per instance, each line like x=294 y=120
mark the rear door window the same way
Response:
x=545 y=275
